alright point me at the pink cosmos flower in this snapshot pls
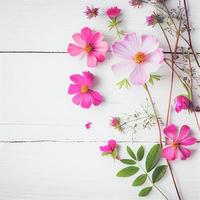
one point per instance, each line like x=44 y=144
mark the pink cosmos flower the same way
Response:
x=81 y=87
x=91 y=12
x=113 y=12
x=141 y=55
x=176 y=142
x=90 y=43
x=181 y=103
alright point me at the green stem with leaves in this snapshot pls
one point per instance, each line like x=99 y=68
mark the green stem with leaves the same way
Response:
x=153 y=184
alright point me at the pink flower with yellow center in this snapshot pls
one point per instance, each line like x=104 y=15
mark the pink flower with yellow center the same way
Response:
x=176 y=143
x=81 y=88
x=141 y=56
x=90 y=43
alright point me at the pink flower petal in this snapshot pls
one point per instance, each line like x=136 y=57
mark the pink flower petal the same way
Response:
x=106 y=149
x=155 y=56
x=78 y=39
x=112 y=144
x=91 y=60
x=96 y=38
x=89 y=78
x=189 y=141
x=73 y=89
x=99 y=56
x=123 y=68
x=77 y=99
x=86 y=34
x=149 y=43
x=170 y=132
x=101 y=46
x=133 y=42
x=96 y=97
x=88 y=125
x=184 y=132
x=86 y=101
x=74 y=50
x=185 y=153
x=78 y=79
x=118 y=49
x=169 y=153
x=153 y=61
x=138 y=76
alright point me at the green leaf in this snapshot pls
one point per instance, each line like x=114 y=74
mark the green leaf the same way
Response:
x=130 y=153
x=158 y=173
x=154 y=78
x=140 y=153
x=114 y=154
x=153 y=157
x=128 y=161
x=104 y=154
x=128 y=171
x=140 y=180
x=124 y=83
x=145 y=191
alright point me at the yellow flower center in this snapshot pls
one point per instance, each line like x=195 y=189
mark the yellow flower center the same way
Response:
x=139 y=57
x=175 y=145
x=87 y=48
x=84 y=88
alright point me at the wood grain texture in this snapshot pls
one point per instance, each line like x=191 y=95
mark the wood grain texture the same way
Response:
x=45 y=151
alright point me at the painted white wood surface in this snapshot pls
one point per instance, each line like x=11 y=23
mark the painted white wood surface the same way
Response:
x=45 y=151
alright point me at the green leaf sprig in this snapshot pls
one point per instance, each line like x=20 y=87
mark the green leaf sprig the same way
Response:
x=151 y=165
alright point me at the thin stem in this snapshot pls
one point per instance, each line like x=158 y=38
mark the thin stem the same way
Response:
x=155 y=113
x=172 y=75
x=189 y=35
x=191 y=91
x=169 y=103
x=153 y=184
x=174 y=181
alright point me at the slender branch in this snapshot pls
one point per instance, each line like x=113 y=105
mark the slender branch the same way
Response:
x=188 y=30
x=153 y=184
x=155 y=113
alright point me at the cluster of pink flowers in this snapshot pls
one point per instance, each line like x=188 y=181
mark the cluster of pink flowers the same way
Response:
x=141 y=55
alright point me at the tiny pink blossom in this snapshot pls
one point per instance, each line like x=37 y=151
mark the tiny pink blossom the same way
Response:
x=135 y=3
x=113 y=12
x=116 y=123
x=181 y=103
x=141 y=55
x=151 y=20
x=90 y=43
x=81 y=88
x=91 y=12
x=88 y=125
x=176 y=143
x=110 y=148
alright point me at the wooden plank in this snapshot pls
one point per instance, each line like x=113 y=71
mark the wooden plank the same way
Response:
x=30 y=104
x=46 y=25
x=76 y=171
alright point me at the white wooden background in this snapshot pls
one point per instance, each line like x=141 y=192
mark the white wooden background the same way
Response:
x=45 y=151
